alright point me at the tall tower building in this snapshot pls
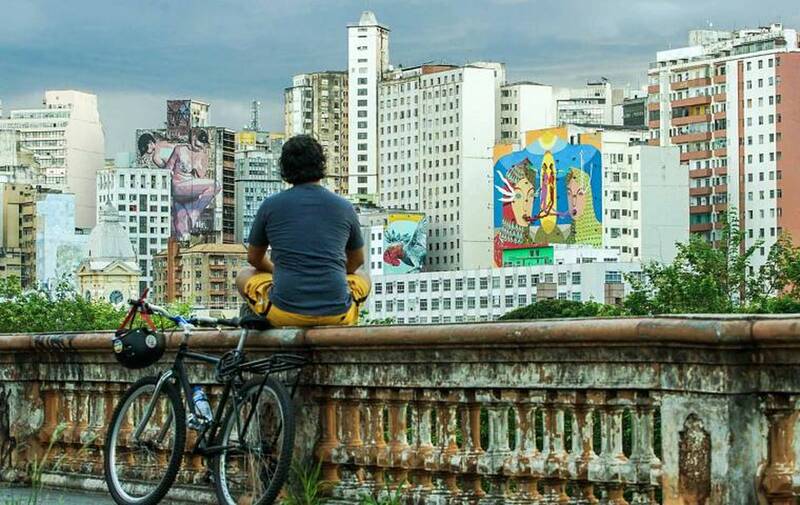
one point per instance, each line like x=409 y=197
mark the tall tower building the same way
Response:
x=368 y=60
x=730 y=101
x=316 y=105
x=435 y=139
x=66 y=137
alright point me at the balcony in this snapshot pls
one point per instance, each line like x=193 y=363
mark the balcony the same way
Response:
x=719 y=134
x=700 y=227
x=721 y=152
x=701 y=191
x=691 y=137
x=690 y=102
x=654 y=125
x=653 y=106
x=580 y=411
x=691 y=83
x=720 y=97
x=720 y=79
x=695 y=155
x=653 y=89
x=700 y=209
x=697 y=118
x=700 y=173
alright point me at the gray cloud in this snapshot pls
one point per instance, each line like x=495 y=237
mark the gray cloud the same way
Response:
x=135 y=55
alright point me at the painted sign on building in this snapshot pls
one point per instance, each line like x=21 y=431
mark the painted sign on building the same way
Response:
x=405 y=243
x=549 y=192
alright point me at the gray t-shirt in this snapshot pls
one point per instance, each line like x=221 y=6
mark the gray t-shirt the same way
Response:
x=309 y=229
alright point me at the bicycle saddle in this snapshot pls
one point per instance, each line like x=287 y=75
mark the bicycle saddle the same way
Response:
x=249 y=320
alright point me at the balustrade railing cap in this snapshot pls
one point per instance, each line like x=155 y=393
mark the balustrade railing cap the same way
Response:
x=704 y=330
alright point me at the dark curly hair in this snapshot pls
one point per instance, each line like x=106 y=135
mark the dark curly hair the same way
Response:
x=302 y=160
x=144 y=140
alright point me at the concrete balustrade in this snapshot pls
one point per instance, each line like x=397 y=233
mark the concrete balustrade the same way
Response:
x=698 y=410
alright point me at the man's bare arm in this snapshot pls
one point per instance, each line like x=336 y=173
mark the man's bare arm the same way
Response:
x=355 y=258
x=257 y=257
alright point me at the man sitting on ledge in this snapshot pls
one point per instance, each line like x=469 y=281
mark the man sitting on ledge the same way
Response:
x=310 y=277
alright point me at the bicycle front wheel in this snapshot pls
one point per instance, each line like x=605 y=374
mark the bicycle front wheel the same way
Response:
x=255 y=462
x=144 y=443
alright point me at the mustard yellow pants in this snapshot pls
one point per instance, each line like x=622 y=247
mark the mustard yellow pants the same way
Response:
x=257 y=292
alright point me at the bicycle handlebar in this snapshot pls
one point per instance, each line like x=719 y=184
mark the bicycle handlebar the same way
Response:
x=186 y=324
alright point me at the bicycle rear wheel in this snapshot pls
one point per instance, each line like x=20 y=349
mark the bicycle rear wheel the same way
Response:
x=254 y=467
x=140 y=470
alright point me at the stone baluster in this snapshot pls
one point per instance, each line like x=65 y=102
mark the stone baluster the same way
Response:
x=399 y=449
x=471 y=451
x=646 y=466
x=555 y=469
x=423 y=446
x=492 y=463
x=329 y=443
x=582 y=455
x=374 y=456
x=519 y=463
x=778 y=481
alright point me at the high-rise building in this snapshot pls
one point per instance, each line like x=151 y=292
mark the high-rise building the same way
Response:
x=526 y=106
x=12 y=255
x=729 y=101
x=142 y=198
x=200 y=159
x=53 y=245
x=317 y=104
x=203 y=274
x=588 y=186
x=592 y=104
x=258 y=176
x=367 y=61
x=634 y=112
x=66 y=137
x=17 y=163
x=435 y=138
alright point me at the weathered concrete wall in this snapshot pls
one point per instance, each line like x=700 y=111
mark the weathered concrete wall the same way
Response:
x=536 y=412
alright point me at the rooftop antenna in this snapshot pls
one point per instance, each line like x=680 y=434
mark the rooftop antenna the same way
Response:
x=255 y=115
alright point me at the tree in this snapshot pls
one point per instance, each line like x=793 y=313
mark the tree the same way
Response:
x=561 y=309
x=717 y=278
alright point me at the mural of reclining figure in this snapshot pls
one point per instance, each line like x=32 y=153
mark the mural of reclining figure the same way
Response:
x=191 y=192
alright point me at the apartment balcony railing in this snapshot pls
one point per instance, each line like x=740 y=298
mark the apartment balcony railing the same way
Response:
x=661 y=410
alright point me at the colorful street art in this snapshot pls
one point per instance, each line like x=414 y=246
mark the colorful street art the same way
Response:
x=184 y=151
x=405 y=243
x=550 y=192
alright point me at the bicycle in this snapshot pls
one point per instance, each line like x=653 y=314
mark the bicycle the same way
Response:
x=247 y=444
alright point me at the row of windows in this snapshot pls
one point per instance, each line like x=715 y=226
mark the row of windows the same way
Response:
x=509 y=281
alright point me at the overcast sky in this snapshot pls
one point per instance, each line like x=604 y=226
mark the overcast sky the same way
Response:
x=136 y=54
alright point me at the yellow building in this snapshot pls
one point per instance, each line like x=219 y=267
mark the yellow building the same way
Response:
x=110 y=271
x=17 y=246
x=203 y=275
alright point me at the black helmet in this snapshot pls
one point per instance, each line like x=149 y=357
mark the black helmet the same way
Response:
x=138 y=347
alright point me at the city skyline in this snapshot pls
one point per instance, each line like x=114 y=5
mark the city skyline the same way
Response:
x=142 y=63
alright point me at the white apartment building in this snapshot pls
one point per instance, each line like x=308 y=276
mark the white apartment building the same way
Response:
x=435 y=144
x=729 y=101
x=486 y=294
x=368 y=59
x=529 y=105
x=67 y=140
x=644 y=196
x=142 y=197
x=645 y=192
x=258 y=176
x=317 y=104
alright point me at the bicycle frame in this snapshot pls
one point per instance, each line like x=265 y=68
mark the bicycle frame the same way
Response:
x=178 y=373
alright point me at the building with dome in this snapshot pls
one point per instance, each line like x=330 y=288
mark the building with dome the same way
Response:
x=110 y=271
